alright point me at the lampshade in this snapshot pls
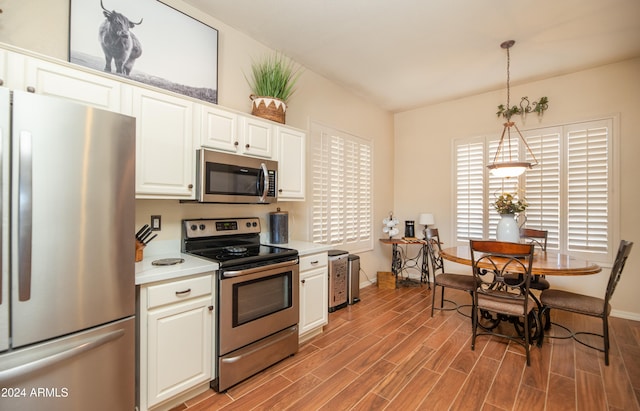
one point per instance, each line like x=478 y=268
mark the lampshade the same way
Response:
x=426 y=219
x=505 y=170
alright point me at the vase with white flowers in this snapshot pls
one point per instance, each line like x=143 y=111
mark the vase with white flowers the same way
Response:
x=507 y=205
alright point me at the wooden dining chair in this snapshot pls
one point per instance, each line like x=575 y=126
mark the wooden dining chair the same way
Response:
x=535 y=236
x=588 y=305
x=506 y=300
x=538 y=282
x=443 y=279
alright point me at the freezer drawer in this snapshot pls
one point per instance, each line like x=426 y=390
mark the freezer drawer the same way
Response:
x=91 y=370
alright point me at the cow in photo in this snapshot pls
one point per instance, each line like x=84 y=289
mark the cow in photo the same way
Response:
x=118 y=42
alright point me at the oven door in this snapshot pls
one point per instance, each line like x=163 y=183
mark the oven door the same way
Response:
x=255 y=303
x=228 y=178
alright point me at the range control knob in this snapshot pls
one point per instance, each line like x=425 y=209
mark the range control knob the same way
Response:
x=194 y=227
x=254 y=224
x=248 y=224
x=202 y=226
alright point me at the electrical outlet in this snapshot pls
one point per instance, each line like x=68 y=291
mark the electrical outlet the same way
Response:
x=156 y=223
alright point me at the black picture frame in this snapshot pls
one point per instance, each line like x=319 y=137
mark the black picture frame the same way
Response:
x=178 y=52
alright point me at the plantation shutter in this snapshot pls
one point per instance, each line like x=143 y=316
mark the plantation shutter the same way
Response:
x=588 y=186
x=542 y=184
x=570 y=192
x=341 y=169
x=469 y=190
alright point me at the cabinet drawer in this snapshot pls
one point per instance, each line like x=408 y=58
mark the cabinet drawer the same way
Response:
x=177 y=291
x=309 y=262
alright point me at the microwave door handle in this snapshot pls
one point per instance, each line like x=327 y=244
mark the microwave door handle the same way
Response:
x=265 y=173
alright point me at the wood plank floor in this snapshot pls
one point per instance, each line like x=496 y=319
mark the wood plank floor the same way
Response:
x=387 y=353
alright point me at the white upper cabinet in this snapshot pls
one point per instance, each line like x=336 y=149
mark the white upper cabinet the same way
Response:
x=3 y=67
x=291 y=158
x=218 y=129
x=257 y=137
x=165 y=155
x=43 y=77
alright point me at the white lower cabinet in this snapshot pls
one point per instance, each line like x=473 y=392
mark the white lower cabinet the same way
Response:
x=176 y=339
x=314 y=299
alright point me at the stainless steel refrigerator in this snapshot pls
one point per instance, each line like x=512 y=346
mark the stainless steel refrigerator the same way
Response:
x=67 y=298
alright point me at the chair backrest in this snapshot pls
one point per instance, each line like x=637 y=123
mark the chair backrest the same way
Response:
x=434 y=248
x=493 y=260
x=616 y=271
x=538 y=237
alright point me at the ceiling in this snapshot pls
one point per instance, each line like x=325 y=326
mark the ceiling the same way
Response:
x=403 y=54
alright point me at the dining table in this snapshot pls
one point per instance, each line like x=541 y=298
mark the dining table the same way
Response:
x=544 y=262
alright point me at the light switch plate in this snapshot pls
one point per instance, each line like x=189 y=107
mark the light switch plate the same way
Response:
x=156 y=223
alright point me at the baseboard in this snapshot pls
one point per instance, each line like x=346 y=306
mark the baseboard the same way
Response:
x=626 y=315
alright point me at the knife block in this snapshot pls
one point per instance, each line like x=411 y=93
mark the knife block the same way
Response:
x=139 y=251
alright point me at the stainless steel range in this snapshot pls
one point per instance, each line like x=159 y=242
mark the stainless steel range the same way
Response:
x=257 y=296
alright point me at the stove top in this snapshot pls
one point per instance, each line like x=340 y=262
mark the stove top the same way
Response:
x=230 y=242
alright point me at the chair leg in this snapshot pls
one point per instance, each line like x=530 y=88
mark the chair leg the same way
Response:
x=543 y=326
x=547 y=314
x=605 y=334
x=433 y=300
x=441 y=297
x=527 y=338
x=474 y=327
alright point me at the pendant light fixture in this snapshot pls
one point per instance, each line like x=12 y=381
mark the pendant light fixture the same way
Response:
x=504 y=165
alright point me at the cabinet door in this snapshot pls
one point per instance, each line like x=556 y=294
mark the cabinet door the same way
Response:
x=219 y=129
x=257 y=137
x=179 y=348
x=314 y=299
x=291 y=164
x=164 y=145
x=51 y=79
x=3 y=67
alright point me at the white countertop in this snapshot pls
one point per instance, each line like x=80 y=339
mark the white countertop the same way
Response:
x=304 y=247
x=146 y=272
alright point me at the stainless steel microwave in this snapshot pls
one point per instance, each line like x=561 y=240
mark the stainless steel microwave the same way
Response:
x=231 y=178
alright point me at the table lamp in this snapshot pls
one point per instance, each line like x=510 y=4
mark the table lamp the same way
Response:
x=426 y=219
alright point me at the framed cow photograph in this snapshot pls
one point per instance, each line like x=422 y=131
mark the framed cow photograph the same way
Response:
x=146 y=41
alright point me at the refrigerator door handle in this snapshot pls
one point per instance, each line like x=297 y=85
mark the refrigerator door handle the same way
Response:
x=78 y=348
x=25 y=208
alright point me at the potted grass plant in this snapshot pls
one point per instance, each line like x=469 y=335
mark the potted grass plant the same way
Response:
x=272 y=82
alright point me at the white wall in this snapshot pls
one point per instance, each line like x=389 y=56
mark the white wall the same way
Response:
x=584 y=95
x=42 y=26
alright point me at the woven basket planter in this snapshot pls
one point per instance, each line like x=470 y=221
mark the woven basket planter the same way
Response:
x=268 y=107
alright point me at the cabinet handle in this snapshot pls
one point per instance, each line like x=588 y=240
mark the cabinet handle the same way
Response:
x=247 y=146
x=31 y=89
x=1 y=82
x=236 y=144
x=190 y=186
x=302 y=281
x=210 y=308
x=315 y=262
x=279 y=190
x=187 y=291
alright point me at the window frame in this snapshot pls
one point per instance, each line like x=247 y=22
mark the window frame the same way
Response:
x=350 y=208
x=561 y=241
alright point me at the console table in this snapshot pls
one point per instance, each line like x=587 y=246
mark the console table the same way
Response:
x=402 y=261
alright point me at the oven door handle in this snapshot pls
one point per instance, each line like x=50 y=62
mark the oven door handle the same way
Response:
x=239 y=273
